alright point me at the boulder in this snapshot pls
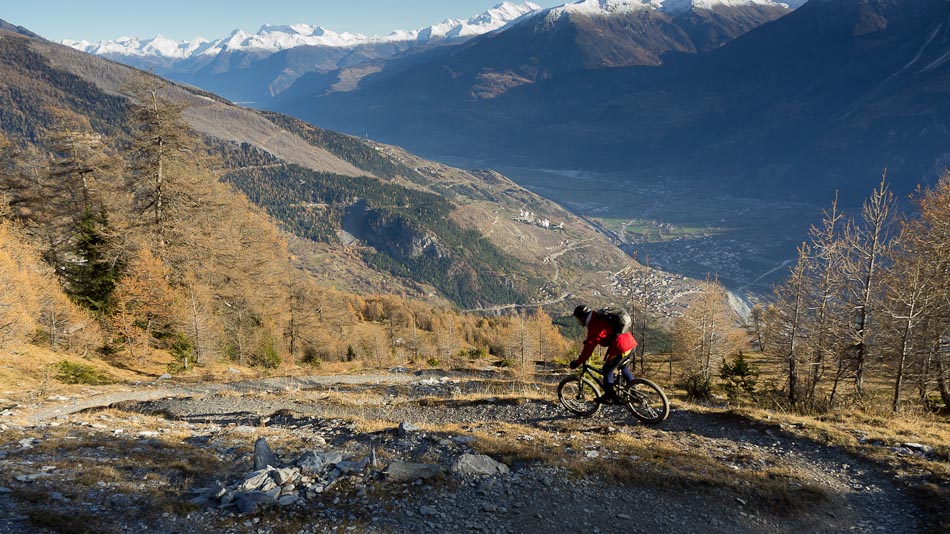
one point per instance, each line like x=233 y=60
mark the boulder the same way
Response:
x=408 y=471
x=285 y=476
x=310 y=462
x=258 y=480
x=479 y=465
x=287 y=500
x=263 y=457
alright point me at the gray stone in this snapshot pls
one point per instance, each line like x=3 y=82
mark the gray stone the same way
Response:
x=4 y=491
x=310 y=462
x=331 y=458
x=244 y=429
x=426 y=511
x=257 y=480
x=347 y=468
x=919 y=447
x=248 y=502
x=165 y=376
x=263 y=457
x=28 y=443
x=287 y=500
x=216 y=491
x=406 y=428
x=285 y=475
x=407 y=471
x=274 y=493
x=478 y=465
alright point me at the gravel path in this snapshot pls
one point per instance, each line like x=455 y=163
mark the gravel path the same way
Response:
x=534 y=497
x=158 y=391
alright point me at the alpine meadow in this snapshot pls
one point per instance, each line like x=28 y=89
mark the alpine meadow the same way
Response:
x=309 y=279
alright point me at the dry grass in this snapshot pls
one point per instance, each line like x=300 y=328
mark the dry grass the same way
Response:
x=89 y=465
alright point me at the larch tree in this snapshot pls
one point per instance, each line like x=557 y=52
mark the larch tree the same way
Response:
x=145 y=306
x=823 y=276
x=789 y=317
x=161 y=155
x=867 y=245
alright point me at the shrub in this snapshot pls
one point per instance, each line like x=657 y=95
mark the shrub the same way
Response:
x=311 y=356
x=739 y=376
x=78 y=373
x=698 y=386
x=181 y=349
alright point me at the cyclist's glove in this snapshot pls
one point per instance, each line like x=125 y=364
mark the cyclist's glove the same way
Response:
x=575 y=364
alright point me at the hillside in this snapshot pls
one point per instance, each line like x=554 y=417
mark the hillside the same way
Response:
x=338 y=221
x=281 y=141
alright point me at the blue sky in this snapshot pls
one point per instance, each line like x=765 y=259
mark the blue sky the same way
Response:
x=96 y=20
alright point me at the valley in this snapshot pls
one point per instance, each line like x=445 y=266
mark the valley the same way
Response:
x=679 y=227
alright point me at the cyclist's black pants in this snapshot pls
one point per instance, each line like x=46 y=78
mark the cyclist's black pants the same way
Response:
x=610 y=365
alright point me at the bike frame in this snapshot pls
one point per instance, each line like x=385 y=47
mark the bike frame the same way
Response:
x=598 y=376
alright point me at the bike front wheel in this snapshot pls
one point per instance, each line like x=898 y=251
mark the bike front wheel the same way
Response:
x=577 y=395
x=646 y=401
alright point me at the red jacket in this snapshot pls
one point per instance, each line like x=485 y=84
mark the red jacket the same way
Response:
x=601 y=332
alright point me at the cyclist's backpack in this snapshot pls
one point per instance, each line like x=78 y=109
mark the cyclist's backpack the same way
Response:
x=618 y=317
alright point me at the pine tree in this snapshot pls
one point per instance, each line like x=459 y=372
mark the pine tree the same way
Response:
x=91 y=276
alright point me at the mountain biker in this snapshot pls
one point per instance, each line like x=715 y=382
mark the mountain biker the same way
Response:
x=601 y=331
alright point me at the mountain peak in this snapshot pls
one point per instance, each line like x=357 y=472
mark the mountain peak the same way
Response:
x=274 y=38
x=610 y=7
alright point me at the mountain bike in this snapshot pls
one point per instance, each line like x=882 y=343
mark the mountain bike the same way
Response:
x=645 y=400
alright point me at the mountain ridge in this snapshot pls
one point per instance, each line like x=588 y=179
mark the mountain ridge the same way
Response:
x=275 y=38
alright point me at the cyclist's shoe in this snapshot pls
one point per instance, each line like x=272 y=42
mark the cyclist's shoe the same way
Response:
x=608 y=398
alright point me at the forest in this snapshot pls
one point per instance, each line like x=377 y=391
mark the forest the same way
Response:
x=131 y=247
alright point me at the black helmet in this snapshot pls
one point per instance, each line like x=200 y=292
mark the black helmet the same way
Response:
x=582 y=311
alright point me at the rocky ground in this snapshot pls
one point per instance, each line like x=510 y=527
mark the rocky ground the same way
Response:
x=403 y=452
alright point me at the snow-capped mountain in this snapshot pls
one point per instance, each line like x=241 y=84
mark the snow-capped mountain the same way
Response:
x=675 y=7
x=272 y=39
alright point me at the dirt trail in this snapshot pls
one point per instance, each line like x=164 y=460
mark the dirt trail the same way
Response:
x=156 y=392
x=857 y=496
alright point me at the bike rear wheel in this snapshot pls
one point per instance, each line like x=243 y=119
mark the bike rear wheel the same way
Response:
x=577 y=395
x=646 y=401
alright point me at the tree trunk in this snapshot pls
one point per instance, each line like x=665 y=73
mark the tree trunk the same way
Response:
x=902 y=358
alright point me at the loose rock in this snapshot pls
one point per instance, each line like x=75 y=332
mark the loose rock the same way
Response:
x=263 y=457
x=479 y=465
x=407 y=471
